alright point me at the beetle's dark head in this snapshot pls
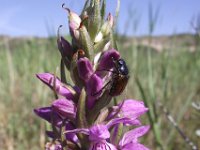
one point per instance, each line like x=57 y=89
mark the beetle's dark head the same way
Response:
x=122 y=67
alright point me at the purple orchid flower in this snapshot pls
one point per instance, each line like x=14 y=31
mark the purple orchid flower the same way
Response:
x=61 y=89
x=99 y=136
x=85 y=69
x=66 y=108
x=74 y=23
x=93 y=82
x=65 y=49
x=61 y=109
x=48 y=114
x=69 y=136
x=106 y=62
x=94 y=79
x=129 y=108
x=93 y=88
x=130 y=139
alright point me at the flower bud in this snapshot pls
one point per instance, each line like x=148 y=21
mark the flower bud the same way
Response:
x=94 y=21
x=49 y=115
x=74 y=23
x=94 y=89
x=60 y=88
x=99 y=132
x=107 y=26
x=65 y=48
x=85 y=42
x=105 y=29
x=106 y=61
x=85 y=69
x=99 y=37
x=66 y=108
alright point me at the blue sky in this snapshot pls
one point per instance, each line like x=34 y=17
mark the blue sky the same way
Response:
x=42 y=17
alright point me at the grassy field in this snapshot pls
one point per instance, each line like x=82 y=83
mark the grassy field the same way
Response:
x=172 y=78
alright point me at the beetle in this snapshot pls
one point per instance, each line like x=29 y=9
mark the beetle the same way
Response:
x=119 y=78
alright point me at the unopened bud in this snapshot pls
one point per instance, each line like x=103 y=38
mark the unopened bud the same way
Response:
x=85 y=42
x=73 y=17
x=94 y=21
x=74 y=23
x=108 y=25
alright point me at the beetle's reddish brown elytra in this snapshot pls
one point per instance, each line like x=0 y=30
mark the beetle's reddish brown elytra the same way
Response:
x=119 y=78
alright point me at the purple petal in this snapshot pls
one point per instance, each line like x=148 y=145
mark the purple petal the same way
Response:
x=103 y=145
x=70 y=136
x=47 y=114
x=133 y=108
x=85 y=69
x=134 y=146
x=128 y=108
x=74 y=23
x=60 y=88
x=116 y=127
x=132 y=122
x=94 y=87
x=66 y=108
x=106 y=60
x=73 y=30
x=133 y=135
x=74 y=18
x=65 y=48
x=118 y=120
x=98 y=133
